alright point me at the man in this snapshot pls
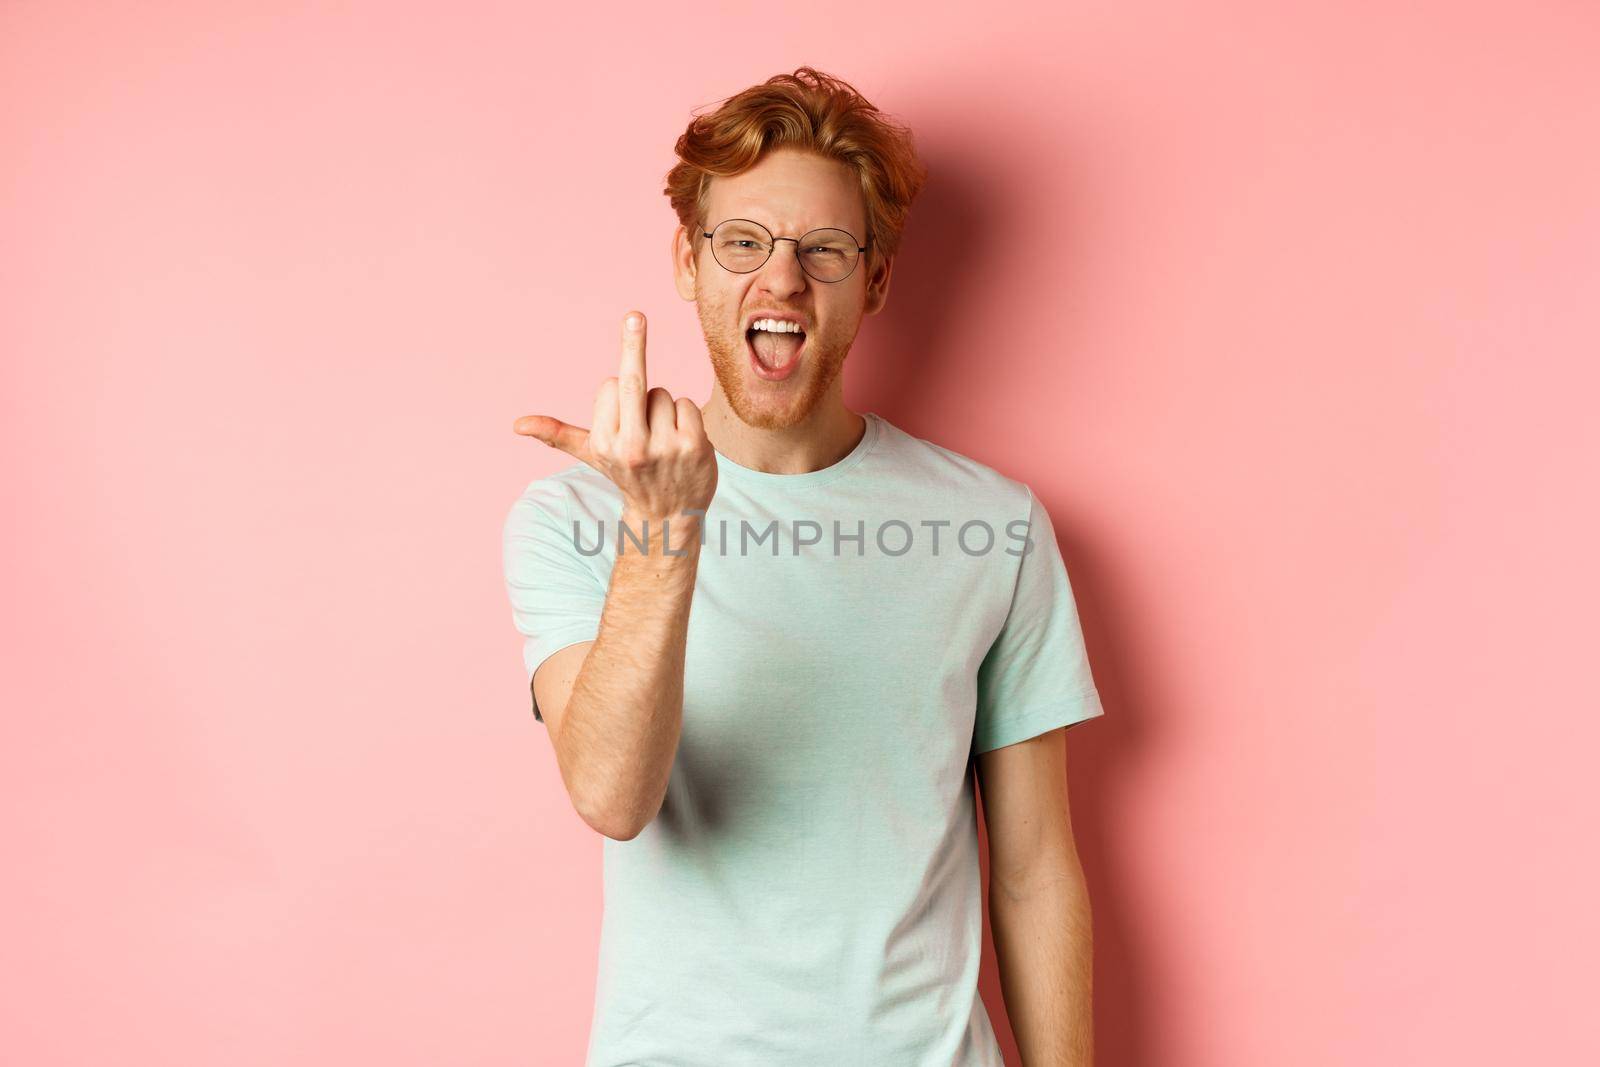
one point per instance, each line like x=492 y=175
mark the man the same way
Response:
x=769 y=638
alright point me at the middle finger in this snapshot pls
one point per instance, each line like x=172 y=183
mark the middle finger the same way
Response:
x=631 y=388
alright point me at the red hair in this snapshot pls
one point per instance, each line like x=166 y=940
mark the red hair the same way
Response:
x=811 y=111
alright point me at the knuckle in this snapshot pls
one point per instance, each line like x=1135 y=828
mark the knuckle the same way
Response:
x=630 y=384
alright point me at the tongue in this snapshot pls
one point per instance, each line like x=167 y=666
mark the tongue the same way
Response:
x=777 y=349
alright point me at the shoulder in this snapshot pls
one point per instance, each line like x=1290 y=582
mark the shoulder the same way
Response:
x=952 y=475
x=577 y=491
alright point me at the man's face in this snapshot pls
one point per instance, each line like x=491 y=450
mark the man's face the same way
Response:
x=790 y=192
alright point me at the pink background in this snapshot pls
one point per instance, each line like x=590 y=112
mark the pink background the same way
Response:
x=1291 y=319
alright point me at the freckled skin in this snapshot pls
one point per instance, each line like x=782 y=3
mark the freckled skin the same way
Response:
x=793 y=191
x=760 y=403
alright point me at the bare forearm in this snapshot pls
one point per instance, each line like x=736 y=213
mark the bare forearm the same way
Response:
x=626 y=712
x=1043 y=933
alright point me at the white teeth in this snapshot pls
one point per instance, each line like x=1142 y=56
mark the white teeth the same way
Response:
x=775 y=326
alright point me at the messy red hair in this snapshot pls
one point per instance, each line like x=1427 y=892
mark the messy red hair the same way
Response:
x=812 y=111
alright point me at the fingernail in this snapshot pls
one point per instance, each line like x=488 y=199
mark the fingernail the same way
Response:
x=634 y=320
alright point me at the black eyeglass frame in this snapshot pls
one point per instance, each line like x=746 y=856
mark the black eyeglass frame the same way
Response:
x=772 y=246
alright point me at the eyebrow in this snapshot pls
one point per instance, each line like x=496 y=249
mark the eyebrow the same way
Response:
x=774 y=230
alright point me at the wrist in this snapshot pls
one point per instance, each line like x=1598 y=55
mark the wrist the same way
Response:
x=674 y=535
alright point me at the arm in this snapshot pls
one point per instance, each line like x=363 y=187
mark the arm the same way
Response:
x=614 y=705
x=1039 y=902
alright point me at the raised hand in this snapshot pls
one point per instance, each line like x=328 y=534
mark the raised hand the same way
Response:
x=652 y=447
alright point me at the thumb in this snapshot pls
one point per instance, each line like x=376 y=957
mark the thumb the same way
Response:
x=573 y=440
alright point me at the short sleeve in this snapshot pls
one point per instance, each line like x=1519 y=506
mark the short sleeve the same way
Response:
x=1035 y=677
x=556 y=596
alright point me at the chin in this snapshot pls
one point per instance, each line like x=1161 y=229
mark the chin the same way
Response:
x=769 y=416
x=759 y=405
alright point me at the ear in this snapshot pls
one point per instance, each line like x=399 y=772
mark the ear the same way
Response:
x=684 y=267
x=878 y=286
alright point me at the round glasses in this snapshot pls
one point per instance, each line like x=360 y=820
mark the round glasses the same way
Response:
x=741 y=246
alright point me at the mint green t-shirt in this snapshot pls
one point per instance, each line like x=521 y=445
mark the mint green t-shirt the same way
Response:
x=809 y=891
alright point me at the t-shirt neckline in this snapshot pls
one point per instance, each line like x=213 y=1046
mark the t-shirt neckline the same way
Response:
x=727 y=468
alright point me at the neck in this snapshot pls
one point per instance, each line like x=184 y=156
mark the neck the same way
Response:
x=823 y=438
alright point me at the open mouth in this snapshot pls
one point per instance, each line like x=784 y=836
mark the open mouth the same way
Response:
x=774 y=355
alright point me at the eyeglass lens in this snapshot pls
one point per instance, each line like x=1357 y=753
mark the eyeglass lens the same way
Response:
x=741 y=246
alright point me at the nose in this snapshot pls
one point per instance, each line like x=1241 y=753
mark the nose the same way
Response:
x=781 y=274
